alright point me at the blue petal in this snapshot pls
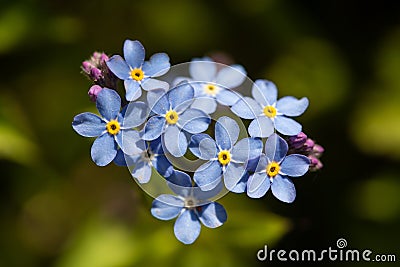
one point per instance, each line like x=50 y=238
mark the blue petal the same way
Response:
x=247 y=108
x=207 y=149
x=233 y=174
x=119 y=159
x=227 y=97
x=153 y=84
x=194 y=121
x=241 y=186
x=212 y=215
x=130 y=142
x=264 y=92
x=158 y=101
x=166 y=207
x=258 y=185
x=132 y=89
x=261 y=164
x=175 y=141
x=88 y=124
x=153 y=128
x=207 y=175
x=206 y=104
x=136 y=113
x=287 y=126
x=134 y=53
x=261 y=127
x=283 y=189
x=203 y=69
x=246 y=149
x=275 y=148
x=187 y=227
x=194 y=144
x=181 y=97
x=156 y=146
x=162 y=165
x=157 y=65
x=291 y=106
x=226 y=132
x=295 y=165
x=231 y=76
x=142 y=172
x=180 y=183
x=118 y=66
x=108 y=103
x=104 y=150
x=207 y=196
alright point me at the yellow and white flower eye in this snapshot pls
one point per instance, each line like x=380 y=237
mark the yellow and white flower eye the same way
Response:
x=137 y=74
x=270 y=111
x=171 y=117
x=224 y=157
x=113 y=127
x=211 y=89
x=273 y=169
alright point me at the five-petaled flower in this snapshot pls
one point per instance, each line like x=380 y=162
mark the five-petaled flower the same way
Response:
x=113 y=129
x=267 y=113
x=274 y=169
x=224 y=156
x=192 y=207
x=173 y=118
x=137 y=73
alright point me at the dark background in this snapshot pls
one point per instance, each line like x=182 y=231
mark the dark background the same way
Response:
x=58 y=209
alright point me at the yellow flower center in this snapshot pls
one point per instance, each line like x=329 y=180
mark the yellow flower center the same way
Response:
x=273 y=169
x=270 y=111
x=137 y=74
x=171 y=117
x=211 y=89
x=113 y=127
x=224 y=157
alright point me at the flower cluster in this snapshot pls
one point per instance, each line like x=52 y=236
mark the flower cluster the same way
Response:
x=175 y=118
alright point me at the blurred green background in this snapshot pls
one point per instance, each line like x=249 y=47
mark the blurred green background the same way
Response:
x=58 y=209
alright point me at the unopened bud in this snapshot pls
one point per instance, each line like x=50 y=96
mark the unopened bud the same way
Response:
x=93 y=92
x=315 y=163
x=297 y=141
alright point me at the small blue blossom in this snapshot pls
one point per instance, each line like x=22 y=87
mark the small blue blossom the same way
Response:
x=192 y=207
x=137 y=73
x=274 y=169
x=268 y=113
x=174 y=118
x=224 y=156
x=111 y=127
x=212 y=85
x=151 y=155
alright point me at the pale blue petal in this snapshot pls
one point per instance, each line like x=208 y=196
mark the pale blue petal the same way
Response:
x=241 y=186
x=136 y=113
x=206 y=196
x=261 y=127
x=134 y=53
x=231 y=76
x=203 y=69
x=247 y=108
x=283 y=189
x=227 y=97
x=291 y=106
x=142 y=172
x=233 y=174
x=162 y=165
x=104 y=150
x=287 y=126
x=180 y=183
x=157 y=65
x=258 y=185
x=181 y=97
x=118 y=66
x=88 y=124
x=206 y=104
x=166 y=207
x=119 y=159
x=133 y=90
x=295 y=165
x=153 y=84
x=207 y=175
x=130 y=142
x=275 y=148
x=212 y=215
x=158 y=101
x=175 y=141
x=153 y=128
x=265 y=92
x=108 y=103
x=194 y=145
x=187 y=227
x=194 y=121
x=246 y=149
x=226 y=132
x=207 y=149
x=261 y=164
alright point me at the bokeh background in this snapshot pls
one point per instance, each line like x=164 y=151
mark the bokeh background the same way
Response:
x=58 y=209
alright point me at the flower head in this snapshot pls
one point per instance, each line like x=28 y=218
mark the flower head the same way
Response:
x=268 y=113
x=137 y=73
x=274 y=169
x=225 y=156
x=113 y=129
x=96 y=70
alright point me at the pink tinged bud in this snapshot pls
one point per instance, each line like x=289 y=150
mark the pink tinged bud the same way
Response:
x=297 y=141
x=96 y=74
x=318 y=150
x=308 y=145
x=87 y=66
x=94 y=91
x=103 y=58
x=315 y=164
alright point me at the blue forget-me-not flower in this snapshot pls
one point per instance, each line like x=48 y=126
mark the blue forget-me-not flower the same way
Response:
x=268 y=113
x=274 y=169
